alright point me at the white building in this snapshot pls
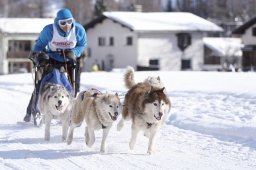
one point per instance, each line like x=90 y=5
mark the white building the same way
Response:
x=164 y=41
x=17 y=36
x=222 y=53
x=247 y=32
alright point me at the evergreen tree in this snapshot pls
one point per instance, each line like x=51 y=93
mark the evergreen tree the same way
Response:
x=169 y=7
x=99 y=8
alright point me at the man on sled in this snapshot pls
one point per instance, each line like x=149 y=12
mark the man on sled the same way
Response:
x=59 y=46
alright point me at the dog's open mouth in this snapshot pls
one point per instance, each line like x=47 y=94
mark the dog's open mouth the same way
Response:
x=59 y=107
x=112 y=117
x=158 y=118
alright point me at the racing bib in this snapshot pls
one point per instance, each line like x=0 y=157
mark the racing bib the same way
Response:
x=61 y=43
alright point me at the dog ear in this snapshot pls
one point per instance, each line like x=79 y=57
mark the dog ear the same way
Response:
x=105 y=98
x=161 y=90
x=151 y=89
x=51 y=87
x=158 y=78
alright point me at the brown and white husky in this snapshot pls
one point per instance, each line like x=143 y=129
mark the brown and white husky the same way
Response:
x=147 y=106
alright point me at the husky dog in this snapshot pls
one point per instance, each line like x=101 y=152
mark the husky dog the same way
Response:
x=99 y=112
x=148 y=107
x=55 y=103
x=129 y=79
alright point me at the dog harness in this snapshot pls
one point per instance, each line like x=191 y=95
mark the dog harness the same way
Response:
x=102 y=125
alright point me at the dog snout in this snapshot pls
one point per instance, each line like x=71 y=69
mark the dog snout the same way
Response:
x=116 y=113
x=160 y=114
x=59 y=102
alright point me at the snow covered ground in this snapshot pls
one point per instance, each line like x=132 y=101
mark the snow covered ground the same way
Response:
x=212 y=125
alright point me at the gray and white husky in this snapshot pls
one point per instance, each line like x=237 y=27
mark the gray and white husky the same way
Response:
x=147 y=106
x=99 y=110
x=55 y=103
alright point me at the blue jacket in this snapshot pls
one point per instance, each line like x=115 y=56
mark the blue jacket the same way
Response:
x=46 y=36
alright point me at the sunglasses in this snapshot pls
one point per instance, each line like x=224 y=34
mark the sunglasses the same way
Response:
x=66 y=22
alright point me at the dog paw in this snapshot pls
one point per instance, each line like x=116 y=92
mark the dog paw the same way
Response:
x=150 y=152
x=89 y=143
x=69 y=141
x=102 y=150
x=47 y=139
x=63 y=139
x=131 y=146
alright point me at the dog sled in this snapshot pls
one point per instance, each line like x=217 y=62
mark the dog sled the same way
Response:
x=43 y=66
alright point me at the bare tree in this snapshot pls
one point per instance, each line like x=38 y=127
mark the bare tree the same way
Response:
x=231 y=56
x=81 y=9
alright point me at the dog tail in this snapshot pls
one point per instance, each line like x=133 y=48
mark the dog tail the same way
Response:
x=129 y=77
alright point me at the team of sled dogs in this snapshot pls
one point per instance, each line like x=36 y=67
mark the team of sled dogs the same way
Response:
x=146 y=104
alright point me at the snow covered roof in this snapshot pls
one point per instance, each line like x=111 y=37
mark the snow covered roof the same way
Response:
x=224 y=46
x=162 y=21
x=23 y=25
x=241 y=29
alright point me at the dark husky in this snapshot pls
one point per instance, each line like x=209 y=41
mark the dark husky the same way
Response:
x=147 y=106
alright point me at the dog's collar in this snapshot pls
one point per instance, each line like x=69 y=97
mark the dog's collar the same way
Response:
x=147 y=123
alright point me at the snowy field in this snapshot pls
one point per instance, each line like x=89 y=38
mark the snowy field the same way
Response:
x=212 y=125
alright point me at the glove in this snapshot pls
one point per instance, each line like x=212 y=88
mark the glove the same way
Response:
x=70 y=55
x=39 y=59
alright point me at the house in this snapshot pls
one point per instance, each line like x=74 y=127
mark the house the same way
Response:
x=17 y=36
x=148 y=41
x=222 y=53
x=247 y=32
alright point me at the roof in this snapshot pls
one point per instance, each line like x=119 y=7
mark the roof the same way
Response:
x=241 y=29
x=158 y=21
x=224 y=46
x=23 y=25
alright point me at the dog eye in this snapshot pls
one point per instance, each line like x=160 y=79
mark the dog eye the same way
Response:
x=55 y=97
x=110 y=105
x=155 y=104
x=162 y=104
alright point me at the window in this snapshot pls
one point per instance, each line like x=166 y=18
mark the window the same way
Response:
x=111 y=41
x=212 y=60
x=184 y=40
x=254 y=31
x=185 y=64
x=154 y=64
x=101 y=41
x=89 y=52
x=19 y=45
x=129 y=40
